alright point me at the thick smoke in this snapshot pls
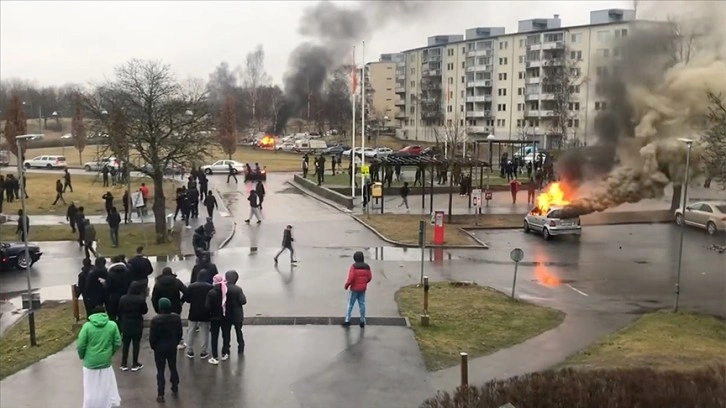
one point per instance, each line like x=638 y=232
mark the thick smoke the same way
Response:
x=333 y=31
x=657 y=94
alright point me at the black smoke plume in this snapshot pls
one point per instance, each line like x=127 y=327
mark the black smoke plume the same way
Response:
x=333 y=31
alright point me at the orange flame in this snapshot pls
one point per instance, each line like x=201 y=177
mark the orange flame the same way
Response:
x=267 y=141
x=553 y=195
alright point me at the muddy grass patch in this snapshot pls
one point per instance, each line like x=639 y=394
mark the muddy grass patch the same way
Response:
x=470 y=318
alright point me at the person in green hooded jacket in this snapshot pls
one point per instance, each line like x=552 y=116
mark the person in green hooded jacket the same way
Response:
x=98 y=340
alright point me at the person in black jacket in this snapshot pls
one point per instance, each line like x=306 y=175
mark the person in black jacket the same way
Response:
x=81 y=286
x=165 y=332
x=193 y=199
x=168 y=286
x=131 y=310
x=108 y=202
x=23 y=225
x=211 y=203
x=126 y=203
x=196 y=296
x=205 y=264
x=59 y=192
x=114 y=221
x=260 y=188
x=199 y=240
x=254 y=200
x=179 y=198
x=287 y=245
x=67 y=181
x=235 y=312
x=216 y=304
x=117 y=285
x=203 y=185
x=71 y=215
x=95 y=284
x=80 y=220
x=140 y=267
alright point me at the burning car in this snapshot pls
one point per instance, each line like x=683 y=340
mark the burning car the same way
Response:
x=266 y=142
x=550 y=217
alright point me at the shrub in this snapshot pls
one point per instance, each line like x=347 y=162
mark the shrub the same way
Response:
x=572 y=388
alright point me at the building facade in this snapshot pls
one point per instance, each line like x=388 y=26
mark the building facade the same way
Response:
x=380 y=90
x=538 y=83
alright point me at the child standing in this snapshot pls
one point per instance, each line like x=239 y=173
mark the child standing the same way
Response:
x=287 y=244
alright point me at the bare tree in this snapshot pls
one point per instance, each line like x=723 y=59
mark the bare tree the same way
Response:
x=682 y=41
x=15 y=125
x=561 y=78
x=228 y=127
x=255 y=77
x=714 y=139
x=448 y=137
x=78 y=128
x=164 y=122
x=221 y=83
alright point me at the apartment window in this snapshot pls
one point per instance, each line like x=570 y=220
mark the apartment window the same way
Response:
x=603 y=52
x=413 y=84
x=461 y=122
x=462 y=94
x=520 y=91
x=451 y=94
x=503 y=76
x=389 y=99
x=411 y=110
x=450 y=52
x=573 y=123
x=576 y=72
x=463 y=65
x=501 y=122
x=461 y=108
x=520 y=75
x=503 y=61
x=389 y=89
x=502 y=92
x=576 y=38
x=502 y=107
x=520 y=107
x=534 y=123
x=576 y=55
x=463 y=79
x=449 y=108
x=449 y=66
x=575 y=89
x=463 y=50
x=603 y=35
x=521 y=43
x=521 y=59
x=601 y=71
x=573 y=106
x=519 y=123
x=503 y=45
x=621 y=33
x=601 y=105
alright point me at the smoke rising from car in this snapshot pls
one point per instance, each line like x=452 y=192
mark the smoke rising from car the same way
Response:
x=656 y=94
x=333 y=30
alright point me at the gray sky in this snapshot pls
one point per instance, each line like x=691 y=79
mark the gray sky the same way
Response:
x=57 y=42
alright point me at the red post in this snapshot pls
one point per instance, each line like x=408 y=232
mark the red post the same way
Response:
x=438 y=228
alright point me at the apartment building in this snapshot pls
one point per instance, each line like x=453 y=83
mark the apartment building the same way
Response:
x=380 y=89
x=538 y=83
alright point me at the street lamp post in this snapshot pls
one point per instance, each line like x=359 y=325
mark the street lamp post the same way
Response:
x=21 y=179
x=688 y=143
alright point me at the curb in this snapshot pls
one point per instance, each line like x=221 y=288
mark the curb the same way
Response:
x=317 y=197
x=229 y=238
x=224 y=206
x=405 y=245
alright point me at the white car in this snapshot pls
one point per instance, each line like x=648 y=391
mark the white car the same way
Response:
x=551 y=223
x=222 y=167
x=100 y=164
x=365 y=151
x=287 y=146
x=46 y=162
x=380 y=152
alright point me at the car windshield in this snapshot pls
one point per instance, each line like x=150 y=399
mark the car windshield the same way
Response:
x=61 y=158
x=721 y=207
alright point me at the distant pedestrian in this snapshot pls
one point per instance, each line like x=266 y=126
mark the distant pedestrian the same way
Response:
x=131 y=309
x=216 y=303
x=98 y=341
x=89 y=237
x=203 y=185
x=417 y=177
x=196 y=296
x=234 y=318
x=199 y=240
x=531 y=189
x=260 y=188
x=107 y=202
x=126 y=203
x=193 y=201
x=23 y=226
x=359 y=275
x=287 y=241
x=231 y=173
x=105 y=172
x=71 y=216
x=114 y=221
x=165 y=333
x=67 y=180
x=404 y=195
x=59 y=192
x=333 y=162
x=305 y=167
x=210 y=202
x=254 y=207
x=144 y=196
x=514 y=188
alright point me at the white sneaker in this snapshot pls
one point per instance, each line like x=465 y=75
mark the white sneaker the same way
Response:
x=225 y=357
x=213 y=361
x=181 y=346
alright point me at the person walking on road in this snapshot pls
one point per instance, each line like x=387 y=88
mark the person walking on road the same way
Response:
x=254 y=207
x=98 y=341
x=170 y=287
x=209 y=232
x=165 y=333
x=67 y=181
x=235 y=315
x=89 y=237
x=231 y=172
x=23 y=225
x=114 y=221
x=71 y=216
x=287 y=240
x=196 y=296
x=216 y=303
x=260 y=188
x=131 y=309
x=210 y=201
x=79 y=220
x=59 y=193
x=359 y=275
x=404 y=195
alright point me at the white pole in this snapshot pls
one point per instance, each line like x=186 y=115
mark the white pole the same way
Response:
x=363 y=117
x=352 y=135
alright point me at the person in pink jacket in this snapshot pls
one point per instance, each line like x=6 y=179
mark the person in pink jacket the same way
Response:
x=359 y=275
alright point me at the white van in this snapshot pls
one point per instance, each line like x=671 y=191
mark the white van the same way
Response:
x=310 y=145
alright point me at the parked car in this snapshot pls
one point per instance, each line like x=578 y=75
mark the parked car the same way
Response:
x=174 y=169
x=379 y=152
x=222 y=167
x=408 y=151
x=708 y=215
x=358 y=150
x=432 y=151
x=100 y=164
x=46 y=162
x=286 y=146
x=12 y=255
x=336 y=150
x=551 y=223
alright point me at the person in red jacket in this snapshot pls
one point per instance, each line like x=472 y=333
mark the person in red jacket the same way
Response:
x=359 y=275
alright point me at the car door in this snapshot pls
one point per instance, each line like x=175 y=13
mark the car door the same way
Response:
x=220 y=165
x=693 y=214
x=705 y=212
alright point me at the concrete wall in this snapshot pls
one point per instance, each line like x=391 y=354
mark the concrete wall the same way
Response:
x=326 y=193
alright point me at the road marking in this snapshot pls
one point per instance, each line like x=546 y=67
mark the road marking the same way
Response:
x=576 y=290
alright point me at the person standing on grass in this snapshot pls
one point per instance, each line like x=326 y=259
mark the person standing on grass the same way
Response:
x=131 y=310
x=126 y=203
x=145 y=196
x=107 y=202
x=260 y=188
x=404 y=195
x=80 y=220
x=98 y=341
x=254 y=207
x=105 y=171
x=305 y=166
x=23 y=225
x=196 y=296
x=216 y=303
x=59 y=192
x=67 y=180
x=359 y=275
x=89 y=237
x=71 y=216
x=114 y=221
x=165 y=333
x=210 y=201
x=231 y=173
x=287 y=240
x=2 y=192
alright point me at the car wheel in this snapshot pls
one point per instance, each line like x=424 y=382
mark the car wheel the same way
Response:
x=679 y=219
x=87 y=168
x=546 y=234
x=711 y=228
x=526 y=226
x=208 y=171
x=48 y=166
x=22 y=261
x=27 y=165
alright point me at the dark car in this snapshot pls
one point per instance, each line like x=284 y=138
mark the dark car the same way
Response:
x=334 y=150
x=255 y=175
x=12 y=255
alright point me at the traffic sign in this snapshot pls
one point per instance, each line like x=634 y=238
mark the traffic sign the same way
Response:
x=137 y=199
x=516 y=254
x=488 y=195
x=365 y=170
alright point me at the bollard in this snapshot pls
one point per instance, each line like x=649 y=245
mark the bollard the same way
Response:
x=464 y=369
x=425 y=315
x=74 y=300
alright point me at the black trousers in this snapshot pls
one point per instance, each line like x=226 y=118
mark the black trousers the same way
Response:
x=66 y=185
x=240 y=337
x=232 y=175
x=59 y=196
x=127 y=339
x=162 y=358
x=216 y=326
x=210 y=212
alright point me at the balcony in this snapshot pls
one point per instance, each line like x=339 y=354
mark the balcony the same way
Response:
x=533 y=80
x=431 y=72
x=477 y=129
x=433 y=113
x=479 y=68
x=400 y=77
x=479 y=53
x=533 y=113
x=485 y=83
x=556 y=62
x=430 y=58
x=478 y=114
x=534 y=64
x=553 y=45
x=400 y=89
x=547 y=114
x=479 y=98
x=401 y=115
x=400 y=102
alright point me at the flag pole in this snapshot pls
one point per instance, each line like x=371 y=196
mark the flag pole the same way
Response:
x=352 y=134
x=363 y=117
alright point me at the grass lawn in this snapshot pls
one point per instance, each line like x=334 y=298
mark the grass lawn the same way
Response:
x=472 y=319
x=87 y=191
x=404 y=227
x=55 y=329
x=130 y=237
x=661 y=340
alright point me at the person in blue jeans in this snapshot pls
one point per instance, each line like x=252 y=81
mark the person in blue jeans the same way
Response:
x=359 y=275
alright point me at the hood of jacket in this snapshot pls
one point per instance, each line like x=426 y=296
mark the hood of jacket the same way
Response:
x=98 y=319
x=116 y=266
x=232 y=277
x=358 y=257
x=137 y=288
x=166 y=280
